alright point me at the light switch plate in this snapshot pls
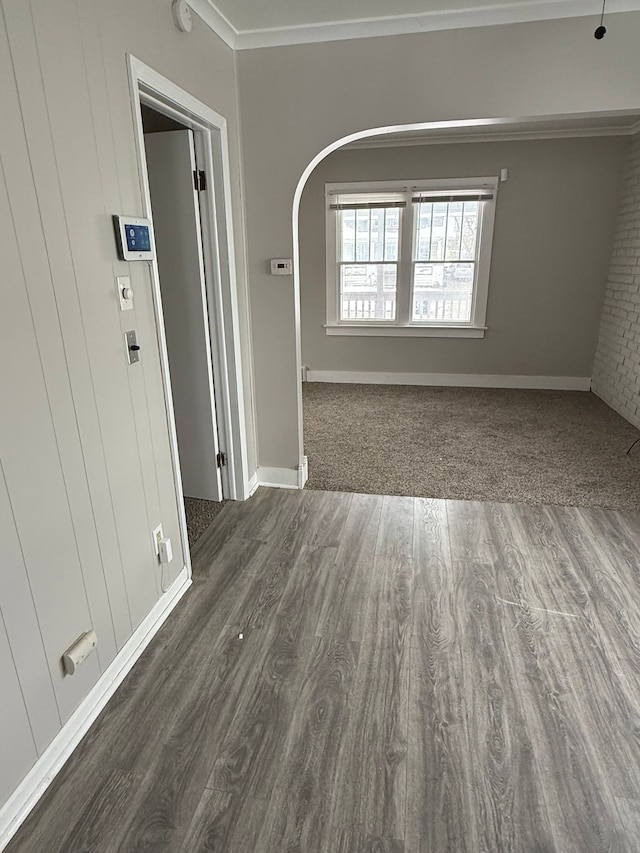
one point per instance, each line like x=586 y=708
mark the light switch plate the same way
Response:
x=125 y=293
x=131 y=340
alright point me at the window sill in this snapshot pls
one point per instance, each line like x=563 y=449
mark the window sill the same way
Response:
x=370 y=330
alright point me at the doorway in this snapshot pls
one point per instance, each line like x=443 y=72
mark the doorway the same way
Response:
x=184 y=171
x=175 y=187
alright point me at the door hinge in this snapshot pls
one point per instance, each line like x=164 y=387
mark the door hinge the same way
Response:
x=221 y=459
x=199 y=180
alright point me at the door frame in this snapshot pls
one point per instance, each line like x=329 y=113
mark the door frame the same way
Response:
x=149 y=87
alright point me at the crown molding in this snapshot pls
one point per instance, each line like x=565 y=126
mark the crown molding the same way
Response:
x=498 y=136
x=489 y=15
x=214 y=19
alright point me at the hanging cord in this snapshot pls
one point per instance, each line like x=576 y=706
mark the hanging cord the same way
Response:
x=601 y=30
x=632 y=446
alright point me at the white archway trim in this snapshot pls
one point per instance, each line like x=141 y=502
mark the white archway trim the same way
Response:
x=459 y=125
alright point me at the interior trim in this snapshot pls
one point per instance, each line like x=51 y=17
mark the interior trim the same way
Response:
x=44 y=771
x=457 y=380
x=483 y=16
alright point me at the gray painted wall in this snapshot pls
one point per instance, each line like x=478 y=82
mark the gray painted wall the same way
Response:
x=552 y=241
x=85 y=470
x=297 y=100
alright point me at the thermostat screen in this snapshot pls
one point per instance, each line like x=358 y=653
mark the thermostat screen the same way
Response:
x=138 y=239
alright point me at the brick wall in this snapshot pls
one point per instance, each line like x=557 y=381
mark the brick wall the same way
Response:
x=616 y=369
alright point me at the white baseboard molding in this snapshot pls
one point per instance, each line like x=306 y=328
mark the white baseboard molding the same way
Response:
x=36 y=782
x=284 y=478
x=458 y=380
x=252 y=484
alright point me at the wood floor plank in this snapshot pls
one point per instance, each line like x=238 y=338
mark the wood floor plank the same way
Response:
x=95 y=815
x=264 y=517
x=225 y=823
x=564 y=667
x=468 y=537
x=302 y=787
x=370 y=781
x=439 y=785
x=352 y=842
x=248 y=755
x=413 y=676
x=344 y=604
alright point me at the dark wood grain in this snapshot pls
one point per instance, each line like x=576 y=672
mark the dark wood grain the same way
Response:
x=368 y=674
x=348 y=585
x=225 y=823
x=440 y=787
x=370 y=780
x=304 y=775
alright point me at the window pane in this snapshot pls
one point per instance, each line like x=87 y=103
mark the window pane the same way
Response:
x=377 y=235
x=422 y=241
x=368 y=291
x=392 y=233
x=438 y=230
x=348 y=235
x=363 y=218
x=469 y=230
x=454 y=231
x=442 y=291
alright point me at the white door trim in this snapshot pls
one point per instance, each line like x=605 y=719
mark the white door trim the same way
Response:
x=210 y=132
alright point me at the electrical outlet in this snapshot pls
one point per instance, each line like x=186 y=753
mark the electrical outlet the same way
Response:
x=157 y=535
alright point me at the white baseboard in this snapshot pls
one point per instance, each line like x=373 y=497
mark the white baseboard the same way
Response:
x=252 y=484
x=36 y=782
x=283 y=478
x=303 y=472
x=458 y=380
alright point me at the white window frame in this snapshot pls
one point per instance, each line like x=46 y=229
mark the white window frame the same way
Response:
x=403 y=325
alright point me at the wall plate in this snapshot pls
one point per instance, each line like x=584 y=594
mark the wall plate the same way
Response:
x=131 y=343
x=125 y=293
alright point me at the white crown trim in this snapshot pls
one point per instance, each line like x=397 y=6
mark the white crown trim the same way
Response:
x=489 y=15
x=214 y=18
x=500 y=136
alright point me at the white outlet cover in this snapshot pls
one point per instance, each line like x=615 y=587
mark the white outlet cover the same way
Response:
x=157 y=535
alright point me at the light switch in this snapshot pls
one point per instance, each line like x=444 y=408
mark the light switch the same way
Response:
x=125 y=293
x=131 y=343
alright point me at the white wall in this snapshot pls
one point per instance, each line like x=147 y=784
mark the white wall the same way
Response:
x=616 y=369
x=296 y=100
x=554 y=224
x=86 y=469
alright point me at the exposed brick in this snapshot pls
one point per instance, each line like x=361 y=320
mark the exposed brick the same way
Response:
x=616 y=370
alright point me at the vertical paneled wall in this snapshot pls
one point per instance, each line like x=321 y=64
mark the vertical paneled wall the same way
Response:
x=86 y=470
x=616 y=369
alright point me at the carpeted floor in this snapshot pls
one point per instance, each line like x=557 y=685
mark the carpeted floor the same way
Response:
x=537 y=447
x=200 y=514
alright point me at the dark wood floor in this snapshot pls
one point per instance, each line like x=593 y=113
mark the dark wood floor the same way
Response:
x=413 y=675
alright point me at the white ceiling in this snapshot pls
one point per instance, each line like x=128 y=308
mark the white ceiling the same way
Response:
x=256 y=23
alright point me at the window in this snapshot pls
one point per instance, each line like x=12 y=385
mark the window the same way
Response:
x=410 y=258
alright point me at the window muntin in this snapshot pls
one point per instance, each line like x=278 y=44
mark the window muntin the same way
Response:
x=409 y=256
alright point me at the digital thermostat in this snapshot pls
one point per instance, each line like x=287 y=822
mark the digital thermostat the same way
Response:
x=134 y=237
x=281 y=266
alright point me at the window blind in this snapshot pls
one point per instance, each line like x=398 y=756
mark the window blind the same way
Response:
x=367 y=201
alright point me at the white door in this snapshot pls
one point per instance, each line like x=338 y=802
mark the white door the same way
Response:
x=176 y=218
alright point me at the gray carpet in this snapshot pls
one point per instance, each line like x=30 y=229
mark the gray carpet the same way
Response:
x=200 y=515
x=536 y=447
